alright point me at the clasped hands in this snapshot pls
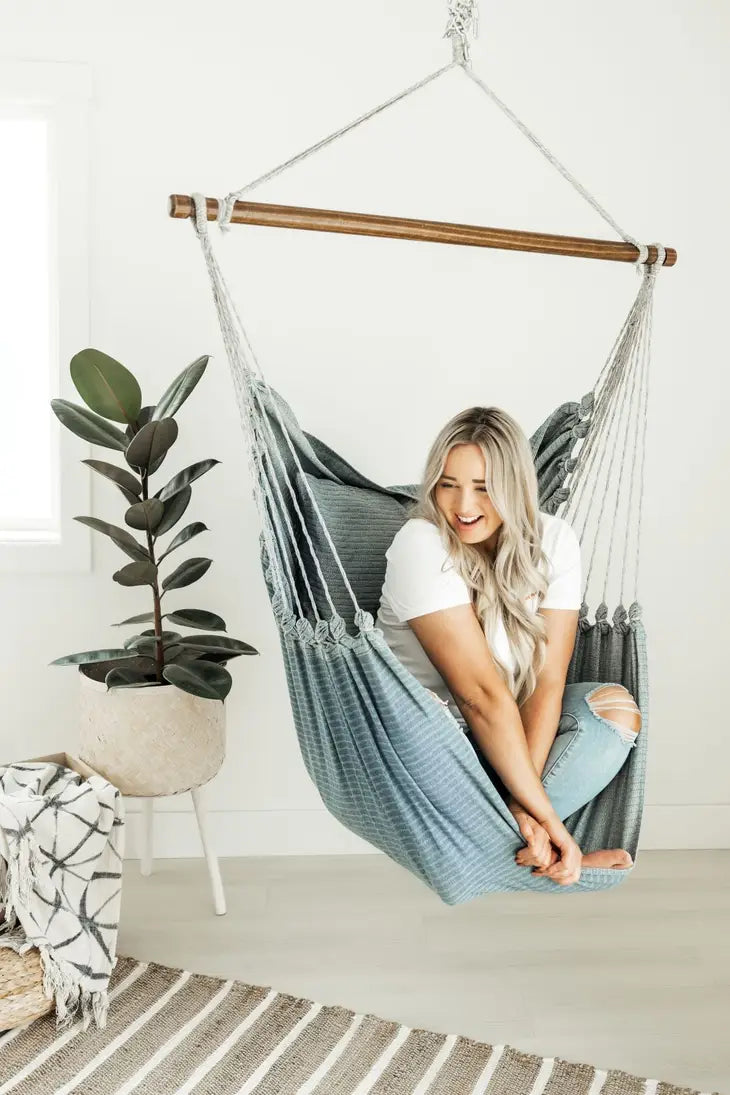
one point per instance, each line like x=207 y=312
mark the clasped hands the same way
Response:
x=551 y=851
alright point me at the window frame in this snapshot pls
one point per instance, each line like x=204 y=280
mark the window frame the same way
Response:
x=59 y=92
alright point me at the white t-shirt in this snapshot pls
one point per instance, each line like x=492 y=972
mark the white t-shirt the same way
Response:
x=420 y=578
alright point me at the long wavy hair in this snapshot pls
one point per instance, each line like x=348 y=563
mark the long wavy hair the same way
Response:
x=500 y=584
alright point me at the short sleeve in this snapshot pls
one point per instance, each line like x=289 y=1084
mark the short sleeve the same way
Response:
x=565 y=577
x=420 y=577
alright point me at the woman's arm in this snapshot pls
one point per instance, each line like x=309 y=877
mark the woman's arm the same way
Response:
x=540 y=713
x=455 y=642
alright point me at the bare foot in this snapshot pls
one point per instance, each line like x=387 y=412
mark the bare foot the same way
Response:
x=611 y=858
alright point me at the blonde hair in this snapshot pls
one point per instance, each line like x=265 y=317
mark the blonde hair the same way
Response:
x=501 y=584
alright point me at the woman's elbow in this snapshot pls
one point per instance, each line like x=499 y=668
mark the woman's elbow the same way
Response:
x=491 y=703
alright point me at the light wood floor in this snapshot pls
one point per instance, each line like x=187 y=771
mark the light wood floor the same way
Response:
x=636 y=978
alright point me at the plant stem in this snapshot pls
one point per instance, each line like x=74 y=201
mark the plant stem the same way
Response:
x=159 y=651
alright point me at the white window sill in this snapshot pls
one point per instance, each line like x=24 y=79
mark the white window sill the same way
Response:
x=44 y=553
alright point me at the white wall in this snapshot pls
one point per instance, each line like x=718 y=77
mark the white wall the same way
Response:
x=376 y=343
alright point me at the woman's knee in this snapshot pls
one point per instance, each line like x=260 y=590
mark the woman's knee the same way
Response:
x=615 y=703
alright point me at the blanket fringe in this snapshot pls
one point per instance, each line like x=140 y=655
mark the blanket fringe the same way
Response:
x=73 y=1003
x=17 y=883
x=70 y=998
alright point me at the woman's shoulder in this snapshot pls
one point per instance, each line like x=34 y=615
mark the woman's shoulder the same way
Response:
x=415 y=539
x=420 y=577
x=416 y=529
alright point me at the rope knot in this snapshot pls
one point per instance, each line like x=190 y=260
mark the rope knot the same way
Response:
x=364 y=621
x=642 y=263
x=338 y=628
x=584 y=623
x=200 y=222
x=634 y=613
x=602 y=618
x=225 y=212
x=463 y=21
x=586 y=405
x=304 y=631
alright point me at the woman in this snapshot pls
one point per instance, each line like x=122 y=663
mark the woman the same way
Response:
x=480 y=602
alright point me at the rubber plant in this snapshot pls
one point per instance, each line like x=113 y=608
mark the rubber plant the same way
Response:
x=194 y=662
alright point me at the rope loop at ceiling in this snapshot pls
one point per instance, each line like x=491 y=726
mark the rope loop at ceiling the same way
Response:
x=463 y=21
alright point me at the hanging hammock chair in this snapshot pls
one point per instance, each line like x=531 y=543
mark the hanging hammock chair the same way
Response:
x=391 y=764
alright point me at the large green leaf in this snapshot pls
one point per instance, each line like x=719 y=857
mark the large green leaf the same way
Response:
x=173 y=652
x=148 y=448
x=212 y=682
x=180 y=389
x=143 y=418
x=174 y=509
x=182 y=655
x=146 y=642
x=88 y=425
x=145 y=515
x=218 y=659
x=143 y=618
x=91 y=656
x=187 y=573
x=120 y=536
x=127 y=677
x=183 y=536
x=196 y=617
x=217 y=644
x=106 y=386
x=136 y=574
x=127 y=483
x=184 y=478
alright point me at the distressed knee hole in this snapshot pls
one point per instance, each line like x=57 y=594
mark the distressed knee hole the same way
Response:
x=615 y=703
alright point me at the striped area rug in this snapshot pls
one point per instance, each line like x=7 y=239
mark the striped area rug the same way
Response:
x=172 y=1031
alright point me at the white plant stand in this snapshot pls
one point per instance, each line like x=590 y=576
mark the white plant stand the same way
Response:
x=145 y=863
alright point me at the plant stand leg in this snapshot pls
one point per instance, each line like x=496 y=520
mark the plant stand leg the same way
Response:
x=219 y=900
x=145 y=861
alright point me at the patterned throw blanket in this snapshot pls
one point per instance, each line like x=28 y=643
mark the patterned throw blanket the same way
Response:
x=61 y=851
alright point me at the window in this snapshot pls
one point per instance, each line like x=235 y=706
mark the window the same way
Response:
x=44 y=307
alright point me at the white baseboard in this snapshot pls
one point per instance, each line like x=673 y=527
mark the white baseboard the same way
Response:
x=316 y=832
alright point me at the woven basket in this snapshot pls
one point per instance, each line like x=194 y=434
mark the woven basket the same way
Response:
x=21 y=975
x=21 y=988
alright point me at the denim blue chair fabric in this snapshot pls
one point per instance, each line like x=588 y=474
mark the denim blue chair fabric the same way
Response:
x=390 y=763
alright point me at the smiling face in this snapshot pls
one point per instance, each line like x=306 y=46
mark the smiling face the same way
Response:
x=461 y=492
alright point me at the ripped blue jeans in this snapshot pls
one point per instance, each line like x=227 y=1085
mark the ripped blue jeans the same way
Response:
x=588 y=750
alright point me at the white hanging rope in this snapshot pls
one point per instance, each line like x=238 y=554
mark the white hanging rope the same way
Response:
x=647 y=352
x=604 y=403
x=227 y=311
x=639 y=418
x=462 y=19
x=617 y=428
x=561 y=168
x=625 y=371
x=623 y=423
x=248 y=414
x=226 y=207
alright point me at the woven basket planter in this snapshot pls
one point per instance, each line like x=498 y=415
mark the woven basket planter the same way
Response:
x=21 y=975
x=149 y=741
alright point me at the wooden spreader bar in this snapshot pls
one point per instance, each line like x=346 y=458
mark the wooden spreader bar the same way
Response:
x=368 y=224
